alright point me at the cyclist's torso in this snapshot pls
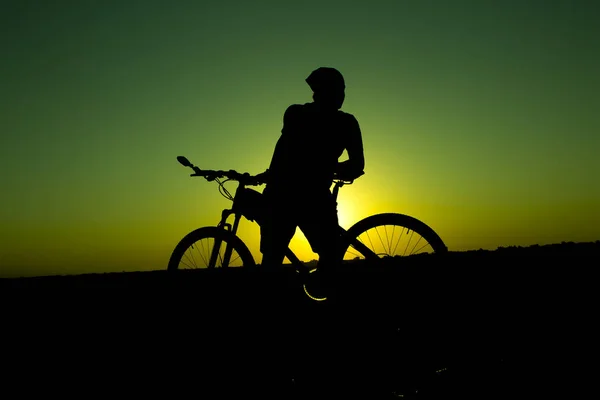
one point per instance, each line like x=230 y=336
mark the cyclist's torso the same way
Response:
x=308 y=150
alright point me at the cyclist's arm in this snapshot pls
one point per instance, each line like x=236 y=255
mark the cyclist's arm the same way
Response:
x=355 y=165
x=262 y=177
x=284 y=145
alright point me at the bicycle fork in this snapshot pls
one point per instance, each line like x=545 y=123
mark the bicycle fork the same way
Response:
x=216 y=251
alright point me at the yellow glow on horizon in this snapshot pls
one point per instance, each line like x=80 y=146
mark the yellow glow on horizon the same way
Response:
x=347 y=215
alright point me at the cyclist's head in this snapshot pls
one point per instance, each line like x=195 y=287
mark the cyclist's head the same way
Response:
x=328 y=87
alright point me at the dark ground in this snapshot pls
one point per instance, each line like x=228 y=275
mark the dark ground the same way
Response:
x=510 y=323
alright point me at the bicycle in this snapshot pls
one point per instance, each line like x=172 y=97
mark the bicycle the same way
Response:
x=247 y=203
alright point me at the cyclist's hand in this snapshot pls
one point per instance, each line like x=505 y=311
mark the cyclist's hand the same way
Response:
x=346 y=177
x=261 y=178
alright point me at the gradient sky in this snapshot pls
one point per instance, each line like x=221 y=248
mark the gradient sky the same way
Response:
x=480 y=118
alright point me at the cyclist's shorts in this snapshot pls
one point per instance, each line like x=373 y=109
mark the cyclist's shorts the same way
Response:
x=316 y=216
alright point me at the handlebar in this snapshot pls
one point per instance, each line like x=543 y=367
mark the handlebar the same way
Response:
x=211 y=175
x=244 y=178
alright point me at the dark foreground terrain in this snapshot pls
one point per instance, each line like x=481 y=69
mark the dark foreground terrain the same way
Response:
x=510 y=323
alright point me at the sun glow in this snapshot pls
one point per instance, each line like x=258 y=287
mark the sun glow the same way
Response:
x=346 y=213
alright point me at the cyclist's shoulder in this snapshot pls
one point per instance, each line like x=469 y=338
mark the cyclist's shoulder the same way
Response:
x=309 y=110
x=347 y=117
x=345 y=114
x=294 y=111
x=296 y=107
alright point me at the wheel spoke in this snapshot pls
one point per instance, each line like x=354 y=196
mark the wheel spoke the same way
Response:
x=413 y=237
x=191 y=255
x=398 y=241
x=425 y=245
x=416 y=243
x=199 y=246
x=391 y=239
x=409 y=239
x=204 y=249
x=387 y=239
x=380 y=240
x=369 y=237
x=363 y=249
x=353 y=253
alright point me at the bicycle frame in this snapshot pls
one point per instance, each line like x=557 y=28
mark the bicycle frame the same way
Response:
x=249 y=203
x=290 y=255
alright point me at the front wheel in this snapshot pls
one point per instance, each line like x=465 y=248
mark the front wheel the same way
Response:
x=390 y=235
x=207 y=247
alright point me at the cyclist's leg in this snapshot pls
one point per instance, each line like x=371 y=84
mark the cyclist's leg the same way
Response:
x=320 y=225
x=276 y=232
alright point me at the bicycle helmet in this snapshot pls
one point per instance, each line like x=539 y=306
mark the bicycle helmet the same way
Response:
x=325 y=78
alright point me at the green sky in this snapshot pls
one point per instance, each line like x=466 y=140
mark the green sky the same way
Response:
x=481 y=118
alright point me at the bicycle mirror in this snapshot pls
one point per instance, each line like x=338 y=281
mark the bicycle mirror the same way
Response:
x=184 y=161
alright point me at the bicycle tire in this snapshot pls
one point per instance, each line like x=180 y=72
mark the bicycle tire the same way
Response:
x=210 y=232
x=392 y=219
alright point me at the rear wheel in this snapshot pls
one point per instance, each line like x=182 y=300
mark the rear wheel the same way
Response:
x=390 y=235
x=383 y=235
x=206 y=248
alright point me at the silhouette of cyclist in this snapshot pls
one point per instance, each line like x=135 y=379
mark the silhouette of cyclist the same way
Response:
x=303 y=166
